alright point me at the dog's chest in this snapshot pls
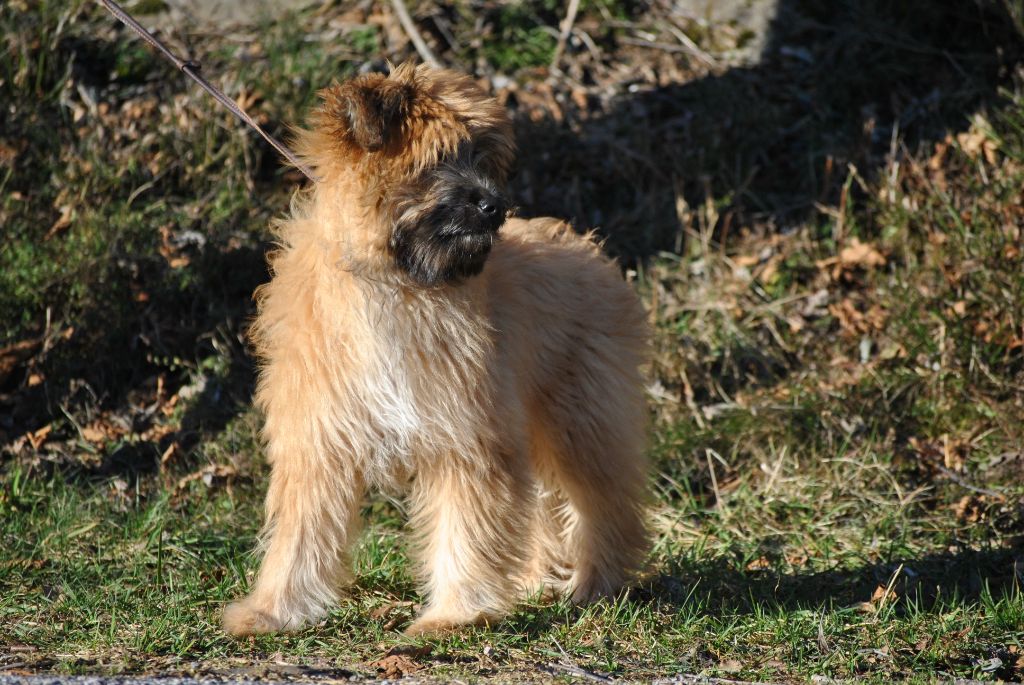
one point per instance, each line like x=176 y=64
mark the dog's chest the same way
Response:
x=426 y=376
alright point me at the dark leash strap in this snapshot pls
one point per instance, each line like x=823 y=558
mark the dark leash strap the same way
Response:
x=191 y=69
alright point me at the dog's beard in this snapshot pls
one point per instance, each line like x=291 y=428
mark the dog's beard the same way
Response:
x=433 y=254
x=441 y=236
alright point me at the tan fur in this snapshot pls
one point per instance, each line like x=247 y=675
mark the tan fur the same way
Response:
x=507 y=406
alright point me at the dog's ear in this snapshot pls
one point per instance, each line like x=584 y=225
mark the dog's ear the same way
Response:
x=369 y=109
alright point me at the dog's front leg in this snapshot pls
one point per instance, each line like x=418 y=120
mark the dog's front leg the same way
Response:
x=312 y=519
x=470 y=518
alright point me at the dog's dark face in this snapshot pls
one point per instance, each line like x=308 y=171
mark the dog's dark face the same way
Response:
x=433 y=151
x=445 y=220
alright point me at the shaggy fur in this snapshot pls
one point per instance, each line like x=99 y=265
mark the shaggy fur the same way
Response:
x=405 y=346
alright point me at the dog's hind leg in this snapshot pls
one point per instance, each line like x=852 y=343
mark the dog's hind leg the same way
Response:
x=592 y=454
x=470 y=519
x=312 y=518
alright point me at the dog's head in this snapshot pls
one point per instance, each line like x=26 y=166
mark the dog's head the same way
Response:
x=427 y=152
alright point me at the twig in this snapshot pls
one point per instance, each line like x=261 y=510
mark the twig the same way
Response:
x=693 y=48
x=714 y=479
x=414 y=34
x=565 y=28
x=576 y=671
x=595 y=52
x=654 y=45
x=953 y=476
x=442 y=25
x=569 y=666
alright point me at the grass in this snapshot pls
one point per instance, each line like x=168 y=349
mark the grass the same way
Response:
x=835 y=276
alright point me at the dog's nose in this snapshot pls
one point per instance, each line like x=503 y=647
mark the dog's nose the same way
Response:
x=489 y=205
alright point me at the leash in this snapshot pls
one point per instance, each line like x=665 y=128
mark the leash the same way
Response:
x=191 y=70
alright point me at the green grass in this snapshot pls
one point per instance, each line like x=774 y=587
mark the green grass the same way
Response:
x=99 y=577
x=837 y=394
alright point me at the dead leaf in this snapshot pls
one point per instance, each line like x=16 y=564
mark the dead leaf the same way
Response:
x=881 y=595
x=168 y=453
x=170 y=252
x=860 y=254
x=13 y=355
x=746 y=260
x=400 y=661
x=102 y=430
x=208 y=474
x=759 y=564
x=971 y=142
x=62 y=222
x=796 y=559
x=953 y=452
x=8 y=153
x=168 y=407
x=856 y=323
x=392 y=612
x=395 y=666
x=936 y=161
x=974 y=508
x=977 y=142
x=730 y=666
x=966 y=509
x=157 y=432
x=385 y=609
x=94 y=434
x=855 y=255
x=247 y=98
x=579 y=98
x=37 y=438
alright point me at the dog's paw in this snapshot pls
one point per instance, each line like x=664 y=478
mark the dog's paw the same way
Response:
x=589 y=587
x=241 y=618
x=439 y=623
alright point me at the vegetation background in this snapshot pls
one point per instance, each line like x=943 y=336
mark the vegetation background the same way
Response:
x=820 y=204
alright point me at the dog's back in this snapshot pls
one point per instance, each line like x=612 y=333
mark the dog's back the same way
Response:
x=558 y=289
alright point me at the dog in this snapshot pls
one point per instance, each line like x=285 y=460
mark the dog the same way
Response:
x=415 y=338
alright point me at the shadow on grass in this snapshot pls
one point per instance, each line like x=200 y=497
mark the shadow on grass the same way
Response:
x=186 y=336
x=836 y=83
x=964 y=577
x=719 y=588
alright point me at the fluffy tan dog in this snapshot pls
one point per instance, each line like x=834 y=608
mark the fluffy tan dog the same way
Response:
x=414 y=338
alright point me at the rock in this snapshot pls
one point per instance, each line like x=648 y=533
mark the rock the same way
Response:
x=230 y=13
x=751 y=16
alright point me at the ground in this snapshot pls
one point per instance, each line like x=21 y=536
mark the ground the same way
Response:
x=819 y=203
